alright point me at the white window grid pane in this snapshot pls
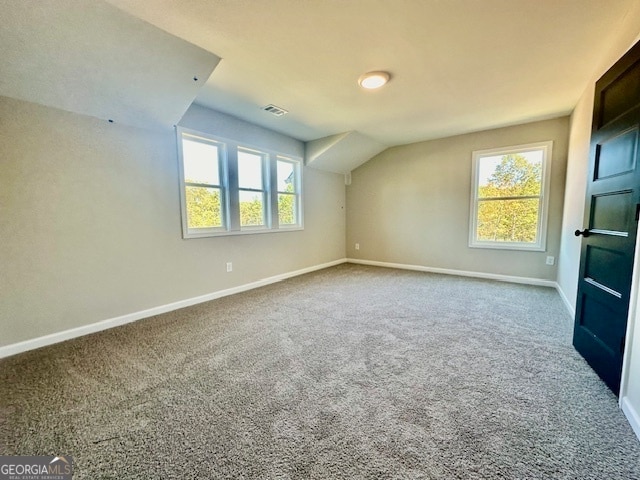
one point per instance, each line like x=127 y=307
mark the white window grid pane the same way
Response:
x=252 y=208
x=287 y=176
x=205 y=208
x=497 y=227
x=251 y=170
x=291 y=209
x=200 y=162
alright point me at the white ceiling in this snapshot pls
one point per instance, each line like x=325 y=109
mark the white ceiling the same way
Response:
x=457 y=65
x=91 y=58
x=342 y=152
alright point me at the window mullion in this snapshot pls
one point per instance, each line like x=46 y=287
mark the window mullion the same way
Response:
x=524 y=197
x=203 y=185
x=272 y=182
x=233 y=190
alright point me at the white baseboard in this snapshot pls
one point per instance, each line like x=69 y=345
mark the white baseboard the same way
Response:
x=57 y=337
x=460 y=273
x=566 y=301
x=632 y=415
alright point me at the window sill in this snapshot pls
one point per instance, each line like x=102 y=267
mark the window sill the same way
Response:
x=509 y=246
x=230 y=233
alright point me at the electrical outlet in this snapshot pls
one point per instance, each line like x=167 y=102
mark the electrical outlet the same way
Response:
x=551 y=260
x=357 y=246
x=229 y=267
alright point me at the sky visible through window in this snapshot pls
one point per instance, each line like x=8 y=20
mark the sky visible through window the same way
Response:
x=250 y=170
x=285 y=175
x=201 y=164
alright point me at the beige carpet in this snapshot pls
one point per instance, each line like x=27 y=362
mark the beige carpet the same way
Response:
x=349 y=373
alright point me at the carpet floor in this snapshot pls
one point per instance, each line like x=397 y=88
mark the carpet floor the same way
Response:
x=352 y=372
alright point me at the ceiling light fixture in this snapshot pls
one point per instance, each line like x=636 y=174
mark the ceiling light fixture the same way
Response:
x=372 y=80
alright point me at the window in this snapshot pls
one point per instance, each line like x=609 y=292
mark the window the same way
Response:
x=203 y=187
x=251 y=188
x=230 y=189
x=288 y=189
x=509 y=201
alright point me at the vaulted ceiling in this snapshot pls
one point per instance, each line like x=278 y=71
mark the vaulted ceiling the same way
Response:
x=92 y=58
x=457 y=65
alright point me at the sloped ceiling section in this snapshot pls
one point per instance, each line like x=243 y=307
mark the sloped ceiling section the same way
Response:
x=91 y=58
x=341 y=153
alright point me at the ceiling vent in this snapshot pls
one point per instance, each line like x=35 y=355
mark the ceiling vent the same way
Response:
x=277 y=111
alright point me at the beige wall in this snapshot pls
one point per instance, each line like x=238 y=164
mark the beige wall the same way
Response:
x=575 y=190
x=410 y=204
x=90 y=222
x=578 y=158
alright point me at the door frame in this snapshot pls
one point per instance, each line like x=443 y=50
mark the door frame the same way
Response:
x=633 y=318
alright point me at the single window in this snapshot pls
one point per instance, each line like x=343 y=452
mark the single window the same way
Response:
x=251 y=187
x=204 y=192
x=509 y=199
x=232 y=189
x=288 y=189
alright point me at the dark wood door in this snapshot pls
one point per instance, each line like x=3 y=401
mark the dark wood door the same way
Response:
x=611 y=221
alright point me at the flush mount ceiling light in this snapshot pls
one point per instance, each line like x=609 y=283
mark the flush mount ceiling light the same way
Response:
x=372 y=80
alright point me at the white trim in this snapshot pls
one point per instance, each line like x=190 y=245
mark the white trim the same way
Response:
x=57 y=337
x=298 y=167
x=566 y=301
x=223 y=184
x=460 y=273
x=632 y=415
x=632 y=319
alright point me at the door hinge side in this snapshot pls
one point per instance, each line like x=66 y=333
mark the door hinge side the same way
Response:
x=622 y=343
x=637 y=211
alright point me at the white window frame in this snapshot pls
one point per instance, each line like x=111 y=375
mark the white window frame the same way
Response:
x=297 y=192
x=224 y=188
x=228 y=164
x=265 y=191
x=543 y=205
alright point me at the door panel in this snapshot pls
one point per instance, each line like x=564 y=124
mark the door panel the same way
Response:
x=612 y=205
x=612 y=211
x=603 y=266
x=616 y=155
x=621 y=92
x=607 y=331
